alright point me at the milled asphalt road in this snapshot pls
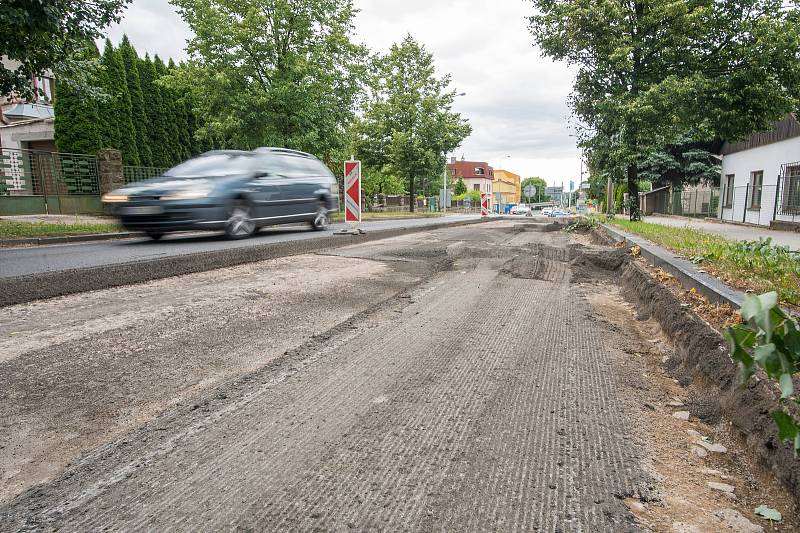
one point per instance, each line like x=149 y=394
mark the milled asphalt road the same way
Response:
x=35 y=260
x=486 y=396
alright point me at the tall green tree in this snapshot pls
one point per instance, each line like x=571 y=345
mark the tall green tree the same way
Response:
x=409 y=122
x=273 y=72
x=119 y=119
x=154 y=112
x=130 y=60
x=181 y=117
x=651 y=71
x=41 y=35
x=172 y=141
x=77 y=119
x=108 y=125
x=138 y=112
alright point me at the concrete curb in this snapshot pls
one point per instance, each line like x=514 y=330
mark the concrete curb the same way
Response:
x=41 y=241
x=28 y=288
x=686 y=272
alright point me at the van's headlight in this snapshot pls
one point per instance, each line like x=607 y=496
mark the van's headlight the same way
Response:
x=114 y=198
x=189 y=194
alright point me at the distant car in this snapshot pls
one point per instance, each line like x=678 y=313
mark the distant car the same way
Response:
x=558 y=213
x=520 y=209
x=547 y=211
x=231 y=190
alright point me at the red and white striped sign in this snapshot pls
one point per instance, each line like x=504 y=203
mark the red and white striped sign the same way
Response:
x=352 y=191
x=484 y=204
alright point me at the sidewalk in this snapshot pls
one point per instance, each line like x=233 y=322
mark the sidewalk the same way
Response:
x=735 y=232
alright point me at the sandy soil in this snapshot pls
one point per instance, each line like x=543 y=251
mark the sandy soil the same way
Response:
x=475 y=378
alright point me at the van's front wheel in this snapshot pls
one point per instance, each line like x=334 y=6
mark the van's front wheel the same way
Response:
x=240 y=224
x=322 y=220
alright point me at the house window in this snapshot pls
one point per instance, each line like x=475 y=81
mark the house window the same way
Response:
x=756 y=179
x=479 y=171
x=729 y=181
x=790 y=204
x=476 y=187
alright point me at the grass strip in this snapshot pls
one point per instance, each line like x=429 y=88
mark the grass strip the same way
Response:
x=757 y=266
x=10 y=229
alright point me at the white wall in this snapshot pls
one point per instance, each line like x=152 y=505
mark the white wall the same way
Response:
x=768 y=159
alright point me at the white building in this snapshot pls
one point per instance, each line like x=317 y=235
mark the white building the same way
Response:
x=761 y=177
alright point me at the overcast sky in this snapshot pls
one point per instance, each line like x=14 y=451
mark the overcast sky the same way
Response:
x=515 y=101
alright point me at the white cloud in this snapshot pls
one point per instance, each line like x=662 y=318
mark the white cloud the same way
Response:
x=515 y=101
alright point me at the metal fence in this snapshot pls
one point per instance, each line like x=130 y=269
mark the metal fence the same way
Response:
x=700 y=203
x=132 y=174
x=37 y=173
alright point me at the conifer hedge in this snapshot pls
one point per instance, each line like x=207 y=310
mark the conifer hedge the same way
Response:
x=149 y=123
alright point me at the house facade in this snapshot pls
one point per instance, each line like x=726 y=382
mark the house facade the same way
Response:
x=24 y=125
x=761 y=177
x=506 y=187
x=477 y=175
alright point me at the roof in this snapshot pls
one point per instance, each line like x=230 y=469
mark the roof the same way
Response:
x=274 y=150
x=469 y=169
x=785 y=129
x=21 y=111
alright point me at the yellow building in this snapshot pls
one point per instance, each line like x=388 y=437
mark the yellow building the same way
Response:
x=507 y=184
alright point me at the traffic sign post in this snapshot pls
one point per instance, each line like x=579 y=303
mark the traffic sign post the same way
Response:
x=484 y=204
x=528 y=191
x=352 y=196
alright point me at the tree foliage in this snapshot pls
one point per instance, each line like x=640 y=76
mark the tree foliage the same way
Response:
x=273 y=72
x=460 y=187
x=408 y=122
x=652 y=72
x=77 y=124
x=676 y=165
x=540 y=185
x=150 y=123
x=42 y=35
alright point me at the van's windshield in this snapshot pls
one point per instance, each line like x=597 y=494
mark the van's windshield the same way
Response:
x=215 y=165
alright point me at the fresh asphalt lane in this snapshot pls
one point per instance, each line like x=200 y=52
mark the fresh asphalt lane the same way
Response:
x=25 y=261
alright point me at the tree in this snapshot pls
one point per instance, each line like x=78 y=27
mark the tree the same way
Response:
x=143 y=135
x=77 y=120
x=381 y=181
x=676 y=165
x=408 y=122
x=154 y=113
x=540 y=185
x=652 y=71
x=460 y=187
x=41 y=35
x=117 y=115
x=273 y=72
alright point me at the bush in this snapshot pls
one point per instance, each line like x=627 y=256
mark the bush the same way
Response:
x=770 y=340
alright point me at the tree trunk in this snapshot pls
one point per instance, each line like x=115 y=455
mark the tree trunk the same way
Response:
x=412 y=206
x=633 y=191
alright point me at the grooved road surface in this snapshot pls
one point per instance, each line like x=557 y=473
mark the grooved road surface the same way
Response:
x=479 y=394
x=35 y=260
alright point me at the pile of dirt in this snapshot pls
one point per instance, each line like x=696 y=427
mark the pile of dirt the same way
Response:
x=704 y=359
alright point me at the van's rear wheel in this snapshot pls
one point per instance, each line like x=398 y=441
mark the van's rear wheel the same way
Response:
x=322 y=220
x=240 y=224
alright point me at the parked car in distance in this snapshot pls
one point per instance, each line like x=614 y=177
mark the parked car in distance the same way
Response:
x=521 y=209
x=231 y=190
x=558 y=213
x=546 y=211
